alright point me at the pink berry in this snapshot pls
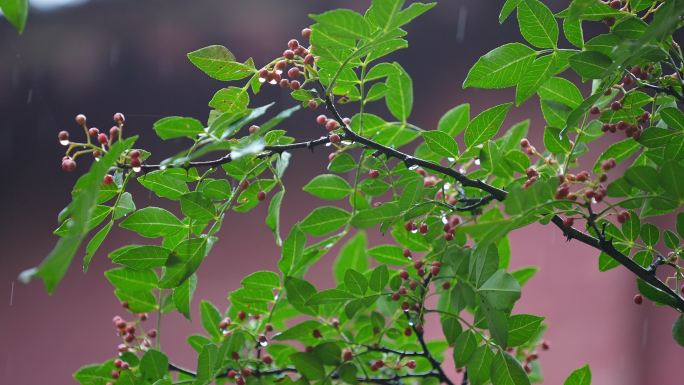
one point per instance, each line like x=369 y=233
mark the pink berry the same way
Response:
x=253 y=129
x=261 y=196
x=293 y=44
x=334 y=138
x=306 y=33
x=80 y=119
x=295 y=85
x=108 y=179
x=293 y=72
x=119 y=118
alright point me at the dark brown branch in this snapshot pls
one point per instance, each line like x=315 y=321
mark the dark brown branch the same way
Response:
x=266 y=152
x=570 y=232
x=274 y=372
x=465 y=377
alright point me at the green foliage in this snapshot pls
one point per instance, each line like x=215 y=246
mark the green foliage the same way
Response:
x=444 y=199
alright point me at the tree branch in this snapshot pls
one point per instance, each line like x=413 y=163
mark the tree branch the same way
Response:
x=266 y=152
x=570 y=232
x=274 y=372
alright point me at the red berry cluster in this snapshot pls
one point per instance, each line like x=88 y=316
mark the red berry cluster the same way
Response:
x=296 y=55
x=69 y=160
x=331 y=125
x=631 y=130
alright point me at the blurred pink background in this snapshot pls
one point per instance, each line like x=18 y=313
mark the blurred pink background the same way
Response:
x=100 y=57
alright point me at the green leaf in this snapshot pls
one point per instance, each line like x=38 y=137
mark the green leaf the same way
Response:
x=231 y=99
x=673 y=118
x=184 y=261
x=522 y=328
x=328 y=186
x=344 y=23
x=324 y=220
x=206 y=364
x=273 y=217
x=214 y=189
x=455 y=120
x=330 y=296
x=389 y=254
x=383 y=13
x=124 y=206
x=356 y=283
x=479 y=365
x=506 y=370
x=347 y=372
x=177 y=127
x=581 y=376
x=671 y=179
x=379 y=278
x=643 y=177
x=464 y=347
x=537 y=74
x=618 y=151
x=572 y=29
x=649 y=234
x=292 y=251
x=300 y=331
x=411 y=12
x=164 y=184
x=441 y=143
x=328 y=352
x=508 y=7
x=196 y=206
x=154 y=365
x=309 y=365
x=562 y=91
x=16 y=12
x=219 y=63
x=501 y=290
x=485 y=125
x=140 y=257
x=654 y=294
x=556 y=142
x=399 y=96
x=210 y=317
x=352 y=256
x=501 y=67
x=537 y=23
x=152 y=222
x=590 y=64
x=483 y=263
x=94 y=244
x=373 y=216
x=678 y=330
x=52 y=269
x=182 y=295
x=126 y=279
x=299 y=292
x=631 y=227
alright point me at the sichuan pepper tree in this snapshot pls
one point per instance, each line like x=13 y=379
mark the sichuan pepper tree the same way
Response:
x=447 y=197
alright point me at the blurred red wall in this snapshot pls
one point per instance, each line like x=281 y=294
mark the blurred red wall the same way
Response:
x=129 y=56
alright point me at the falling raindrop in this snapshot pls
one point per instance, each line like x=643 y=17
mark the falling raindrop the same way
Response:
x=279 y=72
x=413 y=167
x=263 y=343
x=477 y=162
x=461 y=24
x=462 y=170
x=445 y=220
x=450 y=159
x=136 y=169
x=272 y=81
x=64 y=142
x=162 y=167
x=261 y=80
